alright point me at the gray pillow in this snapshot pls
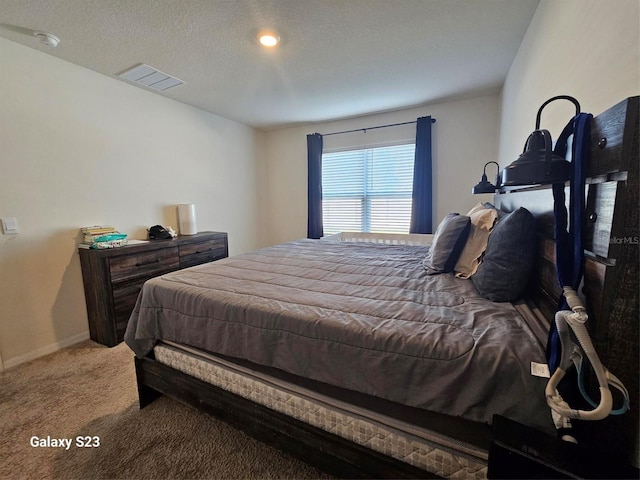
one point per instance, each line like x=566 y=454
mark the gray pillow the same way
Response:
x=448 y=242
x=505 y=269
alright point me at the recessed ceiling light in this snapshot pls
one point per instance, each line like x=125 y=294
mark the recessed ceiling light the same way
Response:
x=269 y=40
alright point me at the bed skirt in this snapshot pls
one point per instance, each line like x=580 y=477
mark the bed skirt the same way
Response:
x=426 y=450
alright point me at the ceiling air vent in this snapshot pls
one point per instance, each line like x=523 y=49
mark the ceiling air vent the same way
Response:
x=151 y=77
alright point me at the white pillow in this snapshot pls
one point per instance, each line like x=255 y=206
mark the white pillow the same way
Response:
x=482 y=222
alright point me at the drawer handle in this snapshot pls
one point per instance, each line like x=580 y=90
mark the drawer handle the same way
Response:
x=204 y=251
x=142 y=264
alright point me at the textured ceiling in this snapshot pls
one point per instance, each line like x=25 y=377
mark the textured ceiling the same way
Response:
x=337 y=58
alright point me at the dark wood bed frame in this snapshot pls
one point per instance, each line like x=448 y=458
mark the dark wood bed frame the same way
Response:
x=611 y=278
x=610 y=287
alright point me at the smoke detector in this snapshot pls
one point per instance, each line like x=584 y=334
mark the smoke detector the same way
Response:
x=47 y=39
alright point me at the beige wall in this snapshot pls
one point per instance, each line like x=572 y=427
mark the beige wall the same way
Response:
x=464 y=139
x=80 y=148
x=589 y=49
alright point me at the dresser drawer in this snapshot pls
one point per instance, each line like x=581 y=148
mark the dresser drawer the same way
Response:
x=124 y=299
x=202 y=252
x=145 y=264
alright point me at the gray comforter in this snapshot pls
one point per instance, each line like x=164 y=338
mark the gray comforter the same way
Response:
x=365 y=317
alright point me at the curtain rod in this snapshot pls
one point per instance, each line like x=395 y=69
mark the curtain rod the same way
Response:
x=433 y=120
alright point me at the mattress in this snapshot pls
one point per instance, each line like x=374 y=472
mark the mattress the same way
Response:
x=431 y=451
x=363 y=317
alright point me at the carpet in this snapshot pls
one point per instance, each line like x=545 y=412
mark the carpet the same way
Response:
x=84 y=397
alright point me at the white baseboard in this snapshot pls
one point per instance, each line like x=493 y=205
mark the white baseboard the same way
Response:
x=46 y=350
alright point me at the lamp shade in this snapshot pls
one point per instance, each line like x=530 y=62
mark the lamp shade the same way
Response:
x=484 y=185
x=537 y=164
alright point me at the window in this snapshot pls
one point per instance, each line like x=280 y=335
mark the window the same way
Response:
x=368 y=190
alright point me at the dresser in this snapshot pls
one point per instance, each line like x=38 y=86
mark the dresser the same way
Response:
x=112 y=278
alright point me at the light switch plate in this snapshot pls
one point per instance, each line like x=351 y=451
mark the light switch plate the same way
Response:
x=10 y=226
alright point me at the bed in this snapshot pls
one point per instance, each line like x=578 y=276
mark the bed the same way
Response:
x=347 y=353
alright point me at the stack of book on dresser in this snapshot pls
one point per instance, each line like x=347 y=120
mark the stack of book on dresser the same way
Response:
x=102 y=236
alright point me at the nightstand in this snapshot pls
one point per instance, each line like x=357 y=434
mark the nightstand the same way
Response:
x=113 y=277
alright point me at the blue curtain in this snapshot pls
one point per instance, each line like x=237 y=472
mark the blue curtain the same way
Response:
x=314 y=185
x=422 y=204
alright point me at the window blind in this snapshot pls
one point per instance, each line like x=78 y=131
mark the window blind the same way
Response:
x=368 y=190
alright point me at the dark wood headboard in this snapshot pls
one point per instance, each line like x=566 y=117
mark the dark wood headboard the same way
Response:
x=611 y=283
